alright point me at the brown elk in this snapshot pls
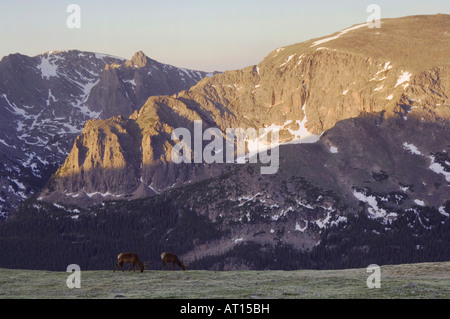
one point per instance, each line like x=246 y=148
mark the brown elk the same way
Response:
x=173 y=259
x=132 y=258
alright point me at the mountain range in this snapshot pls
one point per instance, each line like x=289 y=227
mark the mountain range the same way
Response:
x=45 y=101
x=364 y=169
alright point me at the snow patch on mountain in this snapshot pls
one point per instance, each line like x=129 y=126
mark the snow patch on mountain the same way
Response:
x=316 y=43
x=375 y=212
x=378 y=88
x=438 y=168
x=411 y=148
x=48 y=68
x=287 y=61
x=419 y=202
x=443 y=212
x=107 y=194
x=299 y=228
x=300 y=136
x=404 y=77
x=16 y=110
x=102 y=56
x=387 y=66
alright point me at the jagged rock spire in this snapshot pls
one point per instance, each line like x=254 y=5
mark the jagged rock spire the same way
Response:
x=139 y=59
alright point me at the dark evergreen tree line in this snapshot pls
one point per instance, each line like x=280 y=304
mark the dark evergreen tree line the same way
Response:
x=42 y=236
x=50 y=238
x=356 y=244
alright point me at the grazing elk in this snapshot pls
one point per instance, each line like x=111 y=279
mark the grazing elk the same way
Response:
x=132 y=258
x=173 y=259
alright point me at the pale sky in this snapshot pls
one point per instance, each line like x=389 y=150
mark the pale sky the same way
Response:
x=205 y=35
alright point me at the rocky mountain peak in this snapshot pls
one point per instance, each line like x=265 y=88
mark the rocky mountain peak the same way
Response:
x=46 y=100
x=139 y=59
x=302 y=90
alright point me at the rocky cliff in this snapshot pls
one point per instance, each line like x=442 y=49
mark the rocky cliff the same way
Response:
x=124 y=88
x=46 y=100
x=301 y=90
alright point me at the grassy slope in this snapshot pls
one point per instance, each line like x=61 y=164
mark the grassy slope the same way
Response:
x=426 y=280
